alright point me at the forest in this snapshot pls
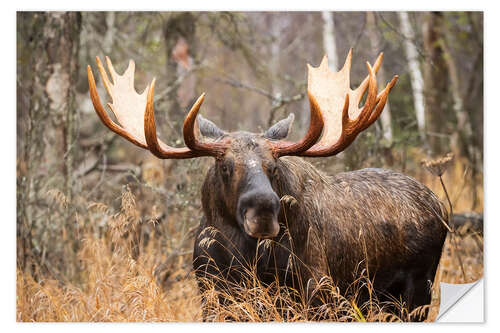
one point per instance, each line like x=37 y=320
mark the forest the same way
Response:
x=104 y=229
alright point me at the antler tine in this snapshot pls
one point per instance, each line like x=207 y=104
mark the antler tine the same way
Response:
x=371 y=99
x=347 y=64
x=104 y=75
x=360 y=91
x=113 y=73
x=135 y=113
x=381 y=100
x=161 y=150
x=189 y=132
x=343 y=124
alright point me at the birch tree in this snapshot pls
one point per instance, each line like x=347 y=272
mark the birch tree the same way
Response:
x=329 y=43
x=417 y=81
x=110 y=32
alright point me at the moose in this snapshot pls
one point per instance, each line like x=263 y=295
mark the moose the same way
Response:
x=259 y=189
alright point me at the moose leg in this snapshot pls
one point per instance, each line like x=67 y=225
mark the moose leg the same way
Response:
x=411 y=290
x=213 y=289
x=421 y=296
x=423 y=292
x=409 y=293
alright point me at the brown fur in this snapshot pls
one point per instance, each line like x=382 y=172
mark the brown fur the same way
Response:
x=378 y=220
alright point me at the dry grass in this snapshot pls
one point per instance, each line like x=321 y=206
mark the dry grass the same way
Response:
x=113 y=286
x=124 y=278
x=120 y=289
x=465 y=189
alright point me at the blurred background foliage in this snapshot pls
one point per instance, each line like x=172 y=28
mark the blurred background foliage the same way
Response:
x=72 y=171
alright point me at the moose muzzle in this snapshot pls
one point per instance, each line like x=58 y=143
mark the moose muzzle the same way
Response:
x=258 y=213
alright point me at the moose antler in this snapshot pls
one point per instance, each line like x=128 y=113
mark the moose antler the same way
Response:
x=339 y=105
x=135 y=114
x=335 y=120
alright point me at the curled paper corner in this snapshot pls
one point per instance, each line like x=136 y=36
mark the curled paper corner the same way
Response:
x=462 y=302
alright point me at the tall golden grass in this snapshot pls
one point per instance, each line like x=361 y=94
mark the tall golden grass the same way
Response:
x=125 y=279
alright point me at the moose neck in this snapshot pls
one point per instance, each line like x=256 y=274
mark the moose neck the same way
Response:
x=294 y=174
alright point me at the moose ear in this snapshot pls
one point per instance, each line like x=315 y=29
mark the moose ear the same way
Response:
x=209 y=129
x=281 y=129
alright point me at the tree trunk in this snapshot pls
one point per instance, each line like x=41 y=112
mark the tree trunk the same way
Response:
x=110 y=33
x=276 y=23
x=48 y=61
x=463 y=131
x=375 y=42
x=417 y=82
x=32 y=116
x=435 y=83
x=62 y=40
x=329 y=43
x=180 y=44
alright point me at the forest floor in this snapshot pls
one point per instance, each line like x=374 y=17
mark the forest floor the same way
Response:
x=113 y=286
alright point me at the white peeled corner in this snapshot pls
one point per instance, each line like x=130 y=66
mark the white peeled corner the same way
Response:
x=462 y=303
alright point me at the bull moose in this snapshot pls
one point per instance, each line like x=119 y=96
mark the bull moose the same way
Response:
x=258 y=189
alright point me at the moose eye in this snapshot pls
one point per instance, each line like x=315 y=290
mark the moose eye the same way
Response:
x=225 y=170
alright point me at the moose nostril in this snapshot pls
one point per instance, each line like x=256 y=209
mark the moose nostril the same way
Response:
x=267 y=201
x=261 y=202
